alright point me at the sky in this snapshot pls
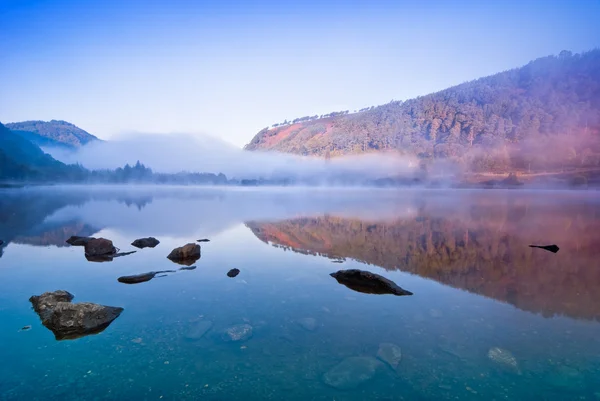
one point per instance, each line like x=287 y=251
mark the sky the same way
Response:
x=230 y=68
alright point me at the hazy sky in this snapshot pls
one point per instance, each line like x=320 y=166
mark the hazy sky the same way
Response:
x=230 y=68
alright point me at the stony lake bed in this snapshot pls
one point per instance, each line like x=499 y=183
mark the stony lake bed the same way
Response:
x=466 y=309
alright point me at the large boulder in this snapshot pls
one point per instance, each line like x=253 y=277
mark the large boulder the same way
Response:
x=367 y=282
x=78 y=241
x=185 y=255
x=142 y=243
x=68 y=320
x=100 y=247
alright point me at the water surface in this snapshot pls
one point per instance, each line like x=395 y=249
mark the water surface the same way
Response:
x=464 y=254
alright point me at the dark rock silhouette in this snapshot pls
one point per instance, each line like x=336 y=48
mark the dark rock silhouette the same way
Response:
x=79 y=241
x=142 y=243
x=233 y=272
x=551 y=248
x=185 y=255
x=70 y=321
x=99 y=247
x=203 y=240
x=187 y=268
x=368 y=283
x=141 y=278
x=1 y=242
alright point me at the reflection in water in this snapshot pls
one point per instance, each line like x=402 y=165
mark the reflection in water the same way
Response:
x=482 y=249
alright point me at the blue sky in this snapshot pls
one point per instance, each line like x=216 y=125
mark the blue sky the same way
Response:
x=230 y=68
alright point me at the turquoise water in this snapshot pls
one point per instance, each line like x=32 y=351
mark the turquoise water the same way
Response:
x=465 y=256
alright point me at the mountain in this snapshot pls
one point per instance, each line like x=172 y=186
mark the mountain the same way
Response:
x=23 y=160
x=52 y=133
x=543 y=115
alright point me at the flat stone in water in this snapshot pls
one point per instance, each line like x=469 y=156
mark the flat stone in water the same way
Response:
x=239 y=332
x=390 y=354
x=503 y=357
x=198 y=330
x=308 y=323
x=351 y=372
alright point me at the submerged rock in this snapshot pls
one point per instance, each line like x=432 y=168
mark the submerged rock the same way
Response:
x=25 y=328
x=308 y=323
x=78 y=241
x=551 y=248
x=504 y=358
x=187 y=268
x=68 y=320
x=239 y=332
x=368 y=283
x=233 y=272
x=390 y=354
x=351 y=372
x=99 y=247
x=142 y=243
x=185 y=255
x=141 y=278
x=198 y=330
x=337 y=261
x=203 y=240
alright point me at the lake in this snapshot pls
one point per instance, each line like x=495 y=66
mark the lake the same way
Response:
x=489 y=318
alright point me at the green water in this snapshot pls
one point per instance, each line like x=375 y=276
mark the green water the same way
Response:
x=465 y=256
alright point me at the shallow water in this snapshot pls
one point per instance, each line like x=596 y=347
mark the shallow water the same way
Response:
x=464 y=254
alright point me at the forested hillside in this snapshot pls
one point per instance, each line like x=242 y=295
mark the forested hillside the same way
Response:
x=52 y=133
x=21 y=160
x=545 y=115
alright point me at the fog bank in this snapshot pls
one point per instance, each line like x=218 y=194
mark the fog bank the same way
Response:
x=205 y=154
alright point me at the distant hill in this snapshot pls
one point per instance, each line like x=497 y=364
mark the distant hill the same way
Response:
x=543 y=115
x=52 y=133
x=22 y=160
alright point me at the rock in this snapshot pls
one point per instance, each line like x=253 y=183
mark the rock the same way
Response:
x=203 y=240
x=351 y=372
x=141 y=278
x=233 y=272
x=187 y=268
x=368 y=283
x=337 y=261
x=239 y=332
x=198 y=330
x=79 y=241
x=551 y=248
x=99 y=247
x=390 y=354
x=142 y=243
x=504 y=358
x=308 y=323
x=185 y=255
x=68 y=320
x=25 y=328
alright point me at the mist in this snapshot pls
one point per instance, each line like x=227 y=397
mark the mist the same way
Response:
x=176 y=153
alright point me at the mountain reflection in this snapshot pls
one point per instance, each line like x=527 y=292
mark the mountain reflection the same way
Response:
x=484 y=249
x=476 y=241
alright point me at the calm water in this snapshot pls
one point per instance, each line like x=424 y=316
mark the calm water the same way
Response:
x=465 y=256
